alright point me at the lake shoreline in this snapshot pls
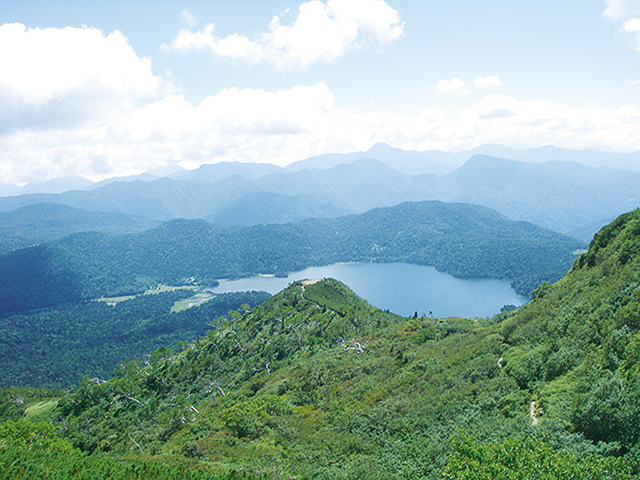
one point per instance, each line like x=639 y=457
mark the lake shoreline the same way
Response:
x=405 y=289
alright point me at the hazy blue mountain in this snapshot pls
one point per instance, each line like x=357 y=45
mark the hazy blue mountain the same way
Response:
x=567 y=197
x=148 y=176
x=42 y=222
x=165 y=170
x=440 y=163
x=7 y=189
x=57 y=185
x=216 y=172
x=143 y=177
x=161 y=199
x=357 y=187
x=563 y=196
x=593 y=158
x=407 y=162
x=260 y=208
x=360 y=185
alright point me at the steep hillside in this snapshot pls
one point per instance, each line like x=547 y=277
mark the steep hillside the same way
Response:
x=577 y=345
x=464 y=240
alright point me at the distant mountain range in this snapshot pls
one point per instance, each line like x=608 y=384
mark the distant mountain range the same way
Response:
x=569 y=197
x=408 y=162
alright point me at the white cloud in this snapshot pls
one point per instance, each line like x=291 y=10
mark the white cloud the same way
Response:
x=68 y=76
x=487 y=82
x=621 y=9
x=455 y=86
x=625 y=11
x=46 y=63
x=232 y=46
x=632 y=26
x=321 y=32
x=188 y=18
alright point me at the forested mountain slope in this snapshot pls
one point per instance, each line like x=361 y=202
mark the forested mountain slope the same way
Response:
x=464 y=240
x=41 y=222
x=315 y=383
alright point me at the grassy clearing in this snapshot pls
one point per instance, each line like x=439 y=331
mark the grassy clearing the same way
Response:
x=198 y=299
x=113 y=301
x=187 y=303
x=40 y=411
x=168 y=288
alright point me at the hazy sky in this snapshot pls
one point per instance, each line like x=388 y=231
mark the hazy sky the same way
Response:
x=111 y=88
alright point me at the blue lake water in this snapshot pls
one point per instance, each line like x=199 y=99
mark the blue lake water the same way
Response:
x=401 y=288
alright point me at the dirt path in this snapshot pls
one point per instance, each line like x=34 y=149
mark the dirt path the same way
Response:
x=307 y=282
x=532 y=413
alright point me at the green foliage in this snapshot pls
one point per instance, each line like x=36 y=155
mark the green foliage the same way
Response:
x=526 y=458
x=14 y=401
x=609 y=410
x=29 y=450
x=28 y=435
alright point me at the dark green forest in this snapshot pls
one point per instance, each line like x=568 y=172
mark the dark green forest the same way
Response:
x=463 y=240
x=43 y=222
x=57 y=348
x=316 y=383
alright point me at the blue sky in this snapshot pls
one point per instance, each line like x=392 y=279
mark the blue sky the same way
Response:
x=113 y=88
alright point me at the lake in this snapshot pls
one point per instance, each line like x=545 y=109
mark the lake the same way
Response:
x=401 y=288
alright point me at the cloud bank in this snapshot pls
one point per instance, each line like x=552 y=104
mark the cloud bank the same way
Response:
x=321 y=32
x=68 y=76
x=76 y=101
